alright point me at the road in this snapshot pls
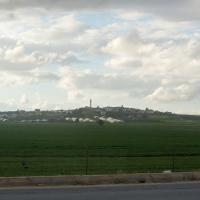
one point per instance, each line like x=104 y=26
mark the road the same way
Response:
x=181 y=191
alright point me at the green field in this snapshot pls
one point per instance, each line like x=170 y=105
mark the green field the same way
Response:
x=57 y=149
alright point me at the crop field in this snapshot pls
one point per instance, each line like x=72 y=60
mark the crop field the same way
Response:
x=66 y=148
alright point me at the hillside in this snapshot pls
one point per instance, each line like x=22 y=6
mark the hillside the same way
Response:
x=87 y=114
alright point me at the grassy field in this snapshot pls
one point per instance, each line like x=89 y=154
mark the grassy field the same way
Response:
x=56 y=149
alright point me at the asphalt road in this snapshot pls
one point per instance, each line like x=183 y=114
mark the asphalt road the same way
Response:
x=189 y=191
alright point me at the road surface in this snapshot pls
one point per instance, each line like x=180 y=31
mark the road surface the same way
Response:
x=181 y=191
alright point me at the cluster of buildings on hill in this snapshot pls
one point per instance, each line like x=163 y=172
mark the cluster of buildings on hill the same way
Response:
x=82 y=115
x=91 y=114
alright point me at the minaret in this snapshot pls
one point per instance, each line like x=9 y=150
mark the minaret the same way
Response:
x=90 y=103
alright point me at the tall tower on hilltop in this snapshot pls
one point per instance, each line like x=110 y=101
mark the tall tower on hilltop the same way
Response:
x=90 y=103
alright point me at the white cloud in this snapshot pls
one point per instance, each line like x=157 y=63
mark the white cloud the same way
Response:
x=59 y=30
x=17 y=54
x=124 y=61
x=79 y=83
x=128 y=50
x=171 y=63
x=127 y=55
x=174 y=10
x=31 y=103
x=15 y=79
x=24 y=100
x=131 y=15
x=179 y=93
x=7 y=79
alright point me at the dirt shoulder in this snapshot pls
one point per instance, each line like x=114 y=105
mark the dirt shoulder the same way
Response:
x=99 y=179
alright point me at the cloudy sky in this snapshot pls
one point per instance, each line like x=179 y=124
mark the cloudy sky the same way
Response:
x=136 y=53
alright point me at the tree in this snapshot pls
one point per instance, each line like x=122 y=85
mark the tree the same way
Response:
x=100 y=122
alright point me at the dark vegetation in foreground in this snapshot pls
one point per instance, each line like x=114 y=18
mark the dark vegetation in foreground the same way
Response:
x=83 y=148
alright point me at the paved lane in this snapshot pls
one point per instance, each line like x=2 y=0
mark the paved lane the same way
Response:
x=189 y=191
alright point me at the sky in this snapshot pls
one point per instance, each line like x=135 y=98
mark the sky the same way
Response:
x=135 y=53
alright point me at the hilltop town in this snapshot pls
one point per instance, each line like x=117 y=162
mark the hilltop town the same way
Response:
x=90 y=114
